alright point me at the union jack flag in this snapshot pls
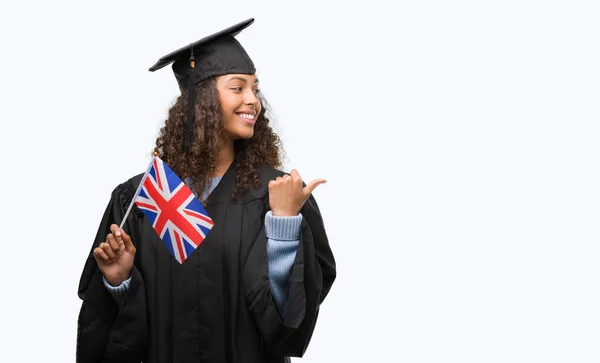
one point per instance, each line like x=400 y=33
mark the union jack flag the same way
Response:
x=173 y=210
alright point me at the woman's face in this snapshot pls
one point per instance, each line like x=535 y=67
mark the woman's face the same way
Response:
x=238 y=94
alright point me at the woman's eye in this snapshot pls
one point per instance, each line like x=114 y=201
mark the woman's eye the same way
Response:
x=239 y=89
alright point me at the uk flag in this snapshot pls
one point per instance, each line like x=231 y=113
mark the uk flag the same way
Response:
x=173 y=210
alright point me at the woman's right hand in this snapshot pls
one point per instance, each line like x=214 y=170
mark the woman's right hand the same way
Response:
x=115 y=256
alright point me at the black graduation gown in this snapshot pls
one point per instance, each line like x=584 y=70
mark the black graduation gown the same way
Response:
x=216 y=306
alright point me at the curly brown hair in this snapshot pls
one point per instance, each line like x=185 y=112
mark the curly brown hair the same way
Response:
x=264 y=147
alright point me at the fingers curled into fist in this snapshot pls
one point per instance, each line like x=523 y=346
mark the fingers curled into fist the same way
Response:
x=286 y=194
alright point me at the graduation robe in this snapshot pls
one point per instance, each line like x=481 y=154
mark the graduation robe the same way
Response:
x=216 y=306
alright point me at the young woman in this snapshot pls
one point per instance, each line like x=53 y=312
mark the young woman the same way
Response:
x=251 y=291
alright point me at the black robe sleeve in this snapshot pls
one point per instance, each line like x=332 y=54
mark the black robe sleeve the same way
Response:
x=105 y=331
x=312 y=276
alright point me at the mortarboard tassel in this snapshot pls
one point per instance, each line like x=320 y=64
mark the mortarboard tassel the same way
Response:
x=189 y=126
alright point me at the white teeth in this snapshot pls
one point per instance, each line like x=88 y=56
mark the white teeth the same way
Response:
x=245 y=115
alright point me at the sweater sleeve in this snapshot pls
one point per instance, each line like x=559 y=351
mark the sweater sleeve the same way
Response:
x=283 y=238
x=118 y=292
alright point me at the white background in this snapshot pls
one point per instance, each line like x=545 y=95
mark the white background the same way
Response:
x=460 y=141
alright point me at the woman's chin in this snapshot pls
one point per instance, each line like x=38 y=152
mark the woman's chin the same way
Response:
x=245 y=135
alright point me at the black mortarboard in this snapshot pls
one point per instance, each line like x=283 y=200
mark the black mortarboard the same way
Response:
x=214 y=55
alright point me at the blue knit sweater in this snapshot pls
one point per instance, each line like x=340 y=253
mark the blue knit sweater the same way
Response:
x=283 y=237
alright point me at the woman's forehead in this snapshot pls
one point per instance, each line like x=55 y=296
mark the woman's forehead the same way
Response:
x=248 y=78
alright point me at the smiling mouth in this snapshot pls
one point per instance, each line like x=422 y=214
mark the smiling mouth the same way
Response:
x=247 y=117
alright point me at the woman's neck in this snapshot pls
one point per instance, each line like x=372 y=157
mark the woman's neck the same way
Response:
x=226 y=156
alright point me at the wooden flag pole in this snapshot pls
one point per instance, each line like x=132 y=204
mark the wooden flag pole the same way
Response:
x=155 y=155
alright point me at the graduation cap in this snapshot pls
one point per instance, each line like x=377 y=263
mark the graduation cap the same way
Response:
x=214 y=55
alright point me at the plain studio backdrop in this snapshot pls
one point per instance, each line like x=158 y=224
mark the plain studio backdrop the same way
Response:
x=459 y=140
